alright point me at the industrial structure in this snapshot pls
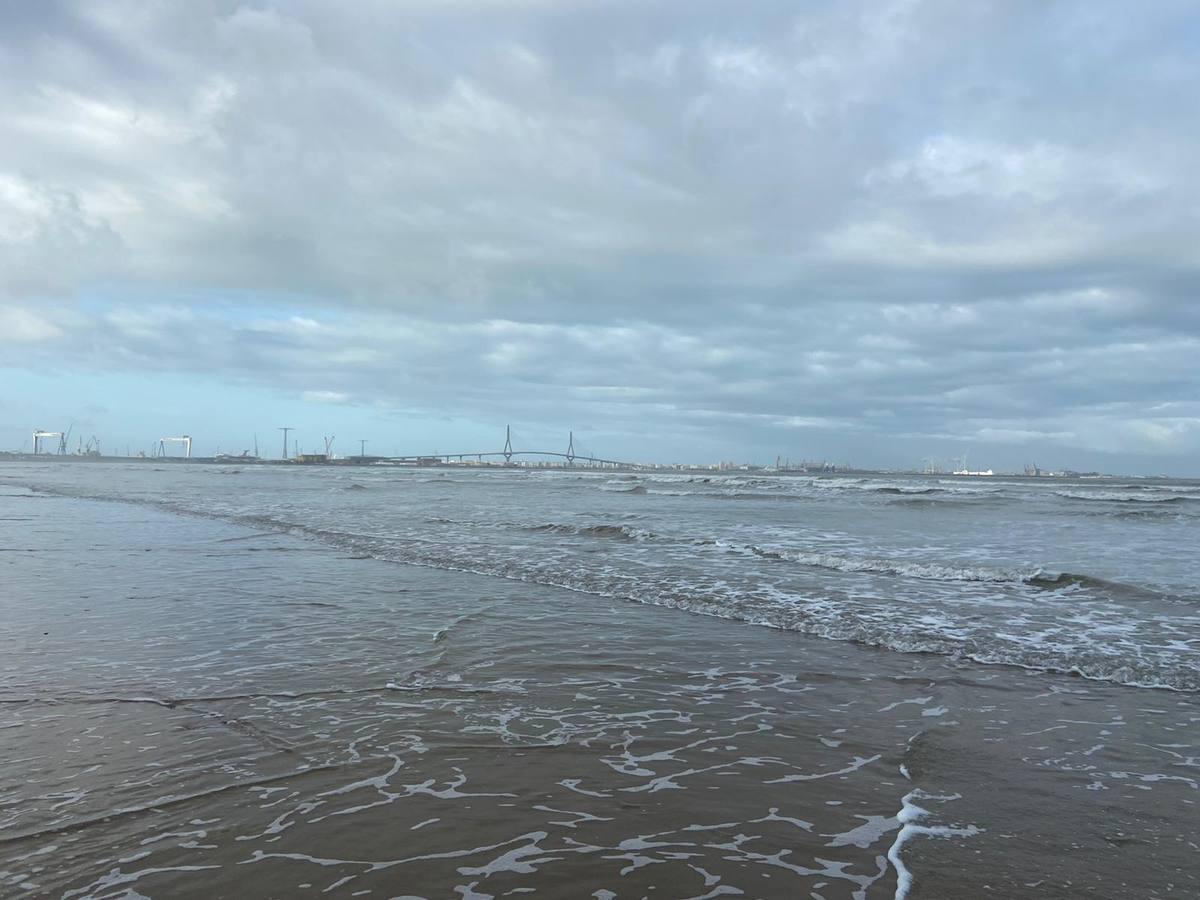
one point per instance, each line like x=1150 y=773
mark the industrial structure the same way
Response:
x=571 y=456
x=508 y=455
x=39 y=436
x=186 y=440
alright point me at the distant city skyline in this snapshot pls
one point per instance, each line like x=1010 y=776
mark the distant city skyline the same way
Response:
x=77 y=438
x=866 y=232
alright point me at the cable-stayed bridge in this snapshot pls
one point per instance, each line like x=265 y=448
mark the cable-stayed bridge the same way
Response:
x=571 y=456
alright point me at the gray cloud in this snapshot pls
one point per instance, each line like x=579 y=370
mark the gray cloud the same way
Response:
x=878 y=230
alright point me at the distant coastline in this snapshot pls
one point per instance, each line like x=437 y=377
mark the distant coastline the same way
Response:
x=441 y=462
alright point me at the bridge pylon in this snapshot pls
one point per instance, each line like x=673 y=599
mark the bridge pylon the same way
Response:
x=571 y=449
x=508 y=450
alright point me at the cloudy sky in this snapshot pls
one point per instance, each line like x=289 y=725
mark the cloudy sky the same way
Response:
x=863 y=231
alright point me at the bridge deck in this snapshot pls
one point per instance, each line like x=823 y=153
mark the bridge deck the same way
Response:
x=570 y=458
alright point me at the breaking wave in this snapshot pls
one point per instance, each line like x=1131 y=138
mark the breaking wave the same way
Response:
x=878 y=566
x=623 y=487
x=1036 y=577
x=618 y=532
x=1128 y=496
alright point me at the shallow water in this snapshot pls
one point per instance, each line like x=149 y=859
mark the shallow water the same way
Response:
x=1095 y=576
x=255 y=699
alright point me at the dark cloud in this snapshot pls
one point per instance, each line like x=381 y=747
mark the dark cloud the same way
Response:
x=929 y=223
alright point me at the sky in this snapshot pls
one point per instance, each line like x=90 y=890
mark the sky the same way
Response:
x=872 y=232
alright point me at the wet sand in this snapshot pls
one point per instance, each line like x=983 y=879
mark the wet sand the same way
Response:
x=191 y=708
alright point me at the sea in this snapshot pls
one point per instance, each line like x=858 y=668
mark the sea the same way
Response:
x=249 y=680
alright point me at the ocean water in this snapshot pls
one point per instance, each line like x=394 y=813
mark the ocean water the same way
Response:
x=1096 y=577
x=290 y=681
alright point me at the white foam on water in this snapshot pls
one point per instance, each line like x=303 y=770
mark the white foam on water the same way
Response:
x=872 y=829
x=918 y=701
x=908 y=816
x=117 y=878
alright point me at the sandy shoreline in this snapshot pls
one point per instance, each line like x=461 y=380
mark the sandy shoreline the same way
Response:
x=196 y=709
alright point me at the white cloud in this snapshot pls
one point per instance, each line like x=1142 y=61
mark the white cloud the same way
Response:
x=21 y=326
x=1038 y=172
x=911 y=214
x=326 y=397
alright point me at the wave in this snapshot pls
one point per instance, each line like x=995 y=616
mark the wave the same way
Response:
x=1172 y=488
x=938 y=502
x=1144 y=513
x=931 y=571
x=1121 y=589
x=618 y=532
x=1126 y=497
x=882 y=566
x=954 y=489
x=729 y=494
x=725 y=482
x=623 y=488
x=780 y=488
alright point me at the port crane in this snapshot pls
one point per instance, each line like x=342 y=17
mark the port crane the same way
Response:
x=39 y=436
x=186 y=440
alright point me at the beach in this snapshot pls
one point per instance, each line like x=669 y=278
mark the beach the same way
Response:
x=212 y=691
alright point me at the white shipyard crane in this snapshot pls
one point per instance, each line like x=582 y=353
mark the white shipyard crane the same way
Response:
x=186 y=440
x=39 y=436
